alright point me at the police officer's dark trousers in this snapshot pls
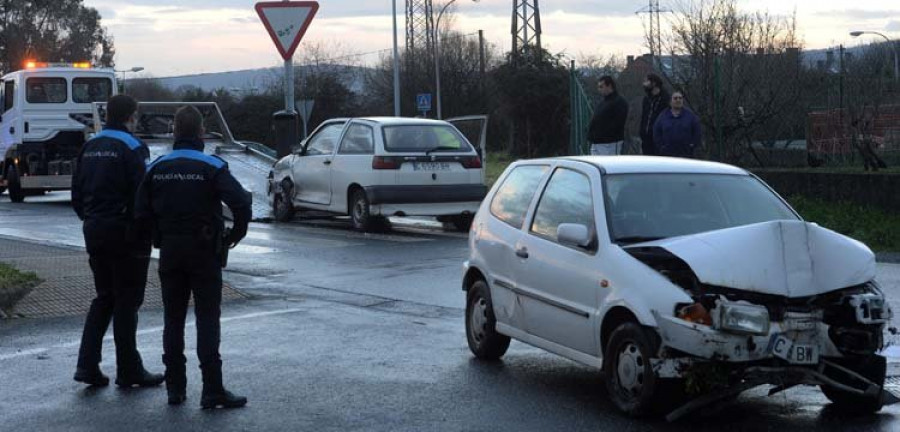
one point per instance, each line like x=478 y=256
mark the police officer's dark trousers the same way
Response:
x=119 y=265
x=189 y=265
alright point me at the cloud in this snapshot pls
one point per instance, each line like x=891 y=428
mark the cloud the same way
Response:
x=893 y=26
x=860 y=14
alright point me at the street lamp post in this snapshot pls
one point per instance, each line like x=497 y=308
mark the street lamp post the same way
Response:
x=891 y=43
x=437 y=56
x=123 y=72
x=396 y=66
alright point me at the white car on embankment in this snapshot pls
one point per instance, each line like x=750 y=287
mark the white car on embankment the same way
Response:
x=372 y=168
x=686 y=282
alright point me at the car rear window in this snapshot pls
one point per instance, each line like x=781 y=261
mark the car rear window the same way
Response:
x=424 y=138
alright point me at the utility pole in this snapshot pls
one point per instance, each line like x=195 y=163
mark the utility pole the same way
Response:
x=654 y=30
x=526 y=28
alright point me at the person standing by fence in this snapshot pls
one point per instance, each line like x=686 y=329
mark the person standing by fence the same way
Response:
x=656 y=101
x=606 y=132
x=677 y=130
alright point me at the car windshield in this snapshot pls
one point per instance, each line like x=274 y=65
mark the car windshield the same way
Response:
x=646 y=207
x=424 y=138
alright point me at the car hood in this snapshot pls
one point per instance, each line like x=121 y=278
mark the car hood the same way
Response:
x=787 y=258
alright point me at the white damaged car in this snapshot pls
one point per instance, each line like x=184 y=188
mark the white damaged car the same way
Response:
x=687 y=282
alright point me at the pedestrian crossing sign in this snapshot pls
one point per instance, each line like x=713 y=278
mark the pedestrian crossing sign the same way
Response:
x=423 y=102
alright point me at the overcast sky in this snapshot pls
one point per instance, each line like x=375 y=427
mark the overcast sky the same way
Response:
x=177 y=37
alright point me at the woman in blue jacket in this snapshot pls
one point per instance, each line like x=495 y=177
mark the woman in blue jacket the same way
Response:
x=677 y=130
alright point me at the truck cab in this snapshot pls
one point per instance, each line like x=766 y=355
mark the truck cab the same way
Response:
x=45 y=118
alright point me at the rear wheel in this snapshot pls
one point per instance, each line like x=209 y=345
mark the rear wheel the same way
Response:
x=16 y=194
x=481 y=333
x=359 y=211
x=462 y=223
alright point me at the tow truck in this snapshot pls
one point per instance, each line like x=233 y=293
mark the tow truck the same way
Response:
x=45 y=117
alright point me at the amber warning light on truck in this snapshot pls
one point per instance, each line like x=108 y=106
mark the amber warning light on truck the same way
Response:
x=35 y=65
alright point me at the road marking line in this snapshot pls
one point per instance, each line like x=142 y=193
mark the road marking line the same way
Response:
x=151 y=330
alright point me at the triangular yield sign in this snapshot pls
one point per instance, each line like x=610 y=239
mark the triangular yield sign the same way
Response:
x=286 y=22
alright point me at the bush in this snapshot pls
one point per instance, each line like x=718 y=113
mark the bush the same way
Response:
x=878 y=229
x=14 y=285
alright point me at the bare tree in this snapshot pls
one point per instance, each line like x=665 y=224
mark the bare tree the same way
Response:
x=739 y=70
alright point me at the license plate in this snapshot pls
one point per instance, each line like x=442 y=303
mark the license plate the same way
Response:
x=785 y=348
x=431 y=166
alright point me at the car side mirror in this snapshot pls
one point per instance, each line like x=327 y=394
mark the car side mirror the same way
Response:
x=300 y=149
x=570 y=234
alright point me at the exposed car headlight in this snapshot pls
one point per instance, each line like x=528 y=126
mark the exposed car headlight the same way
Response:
x=743 y=318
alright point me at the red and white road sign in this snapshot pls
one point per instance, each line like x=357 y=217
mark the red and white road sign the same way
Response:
x=286 y=22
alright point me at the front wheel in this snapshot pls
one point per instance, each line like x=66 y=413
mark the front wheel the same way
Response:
x=481 y=333
x=16 y=194
x=630 y=380
x=284 y=209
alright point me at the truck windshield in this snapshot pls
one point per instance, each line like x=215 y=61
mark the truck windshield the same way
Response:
x=646 y=207
x=87 y=90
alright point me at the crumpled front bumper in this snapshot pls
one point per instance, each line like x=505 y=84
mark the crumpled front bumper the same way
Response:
x=708 y=343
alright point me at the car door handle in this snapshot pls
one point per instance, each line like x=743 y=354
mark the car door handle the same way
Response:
x=327 y=162
x=522 y=253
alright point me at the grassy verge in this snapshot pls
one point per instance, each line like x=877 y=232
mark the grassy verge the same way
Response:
x=878 y=229
x=495 y=163
x=14 y=285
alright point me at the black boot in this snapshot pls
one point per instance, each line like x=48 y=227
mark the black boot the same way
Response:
x=176 y=380
x=214 y=393
x=140 y=379
x=91 y=377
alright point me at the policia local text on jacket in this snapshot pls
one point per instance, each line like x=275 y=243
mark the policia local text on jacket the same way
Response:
x=109 y=170
x=181 y=197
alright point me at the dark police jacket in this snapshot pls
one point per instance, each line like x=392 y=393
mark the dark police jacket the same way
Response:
x=109 y=170
x=608 y=123
x=183 y=192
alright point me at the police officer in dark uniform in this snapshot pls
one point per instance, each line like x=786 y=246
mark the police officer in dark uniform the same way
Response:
x=181 y=197
x=110 y=168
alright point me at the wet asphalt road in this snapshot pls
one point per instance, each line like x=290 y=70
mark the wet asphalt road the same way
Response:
x=345 y=331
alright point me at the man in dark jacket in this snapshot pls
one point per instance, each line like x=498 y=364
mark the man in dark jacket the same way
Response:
x=109 y=170
x=606 y=132
x=656 y=101
x=181 y=198
x=677 y=130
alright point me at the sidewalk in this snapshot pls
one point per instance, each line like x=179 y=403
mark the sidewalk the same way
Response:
x=68 y=285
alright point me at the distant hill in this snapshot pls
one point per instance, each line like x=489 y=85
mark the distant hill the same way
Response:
x=258 y=79
x=242 y=79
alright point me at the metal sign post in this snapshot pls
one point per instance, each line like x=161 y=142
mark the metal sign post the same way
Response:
x=305 y=109
x=287 y=22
